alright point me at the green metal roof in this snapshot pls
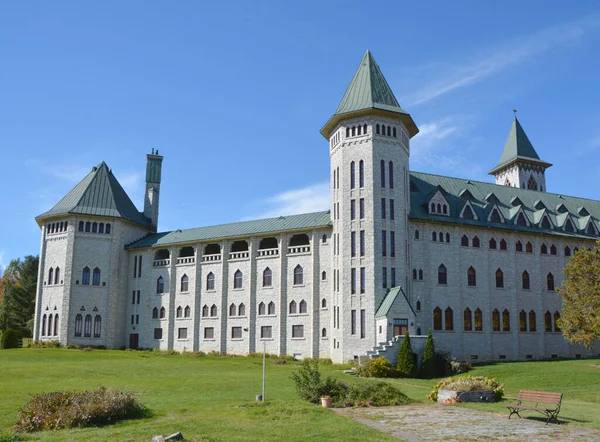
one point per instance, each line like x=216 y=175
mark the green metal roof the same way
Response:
x=517 y=147
x=99 y=194
x=510 y=201
x=389 y=300
x=368 y=91
x=304 y=221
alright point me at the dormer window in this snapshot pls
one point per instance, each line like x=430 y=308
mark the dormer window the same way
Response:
x=495 y=216
x=591 y=230
x=438 y=205
x=521 y=221
x=569 y=226
x=546 y=223
x=468 y=213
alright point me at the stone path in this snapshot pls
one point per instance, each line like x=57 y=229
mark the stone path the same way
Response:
x=421 y=423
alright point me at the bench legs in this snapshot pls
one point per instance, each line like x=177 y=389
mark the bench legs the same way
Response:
x=552 y=416
x=513 y=411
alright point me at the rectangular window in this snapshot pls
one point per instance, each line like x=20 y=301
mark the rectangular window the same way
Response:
x=363 y=280
x=382 y=208
x=383 y=243
x=353 y=244
x=352 y=209
x=132 y=319
x=297 y=331
x=140 y=267
x=236 y=332
x=353 y=280
x=362 y=243
x=338 y=317
x=361 y=209
x=182 y=333
x=134 y=267
x=392 y=244
x=266 y=332
x=133 y=297
x=392 y=216
x=158 y=333
x=137 y=319
x=138 y=296
x=363 y=325
x=209 y=333
x=384 y=277
x=393 y=277
x=353 y=328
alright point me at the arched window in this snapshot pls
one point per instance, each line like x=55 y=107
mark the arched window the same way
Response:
x=437 y=318
x=532 y=324
x=324 y=333
x=107 y=227
x=347 y=132
x=418 y=306
x=548 y=321
x=414 y=273
x=434 y=236
x=525 y=280
x=546 y=223
x=394 y=132
x=94 y=227
x=391 y=173
x=550 y=282
x=184 y=283
x=179 y=312
x=324 y=238
x=87 y=327
x=476 y=241
x=468 y=213
x=377 y=131
x=553 y=250
x=232 y=310
x=442 y=275
x=298 y=275
x=522 y=321
x=467 y=320
x=382 y=173
x=471 y=277
x=293 y=309
x=160 y=285
x=569 y=226
x=205 y=311
x=359 y=130
x=242 y=310
x=96 y=277
x=361 y=174
x=323 y=303
x=97 y=326
x=493 y=244
x=85 y=280
x=78 y=325
x=439 y=208
x=531 y=184
x=521 y=220
x=464 y=241
x=478 y=320
x=271 y=308
x=323 y=275
x=420 y=274
x=50 y=276
x=163 y=313
x=441 y=237
x=155 y=313
x=447 y=235
x=352 y=179
x=57 y=276
x=449 y=319
x=567 y=251
x=213 y=311
x=303 y=307
x=262 y=309
x=445 y=209
x=389 y=131
x=81 y=226
x=432 y=208
x=499 y=279
x=496 y=320
x=237 y=279
x=88 y=226
x=495 y=217
x=519 y=246
x=101 y=228
x=56 y=324
x=503 y=245
x=50 y=325
x=529 y=247
x=353 y=131
x=267 y=277
x=210 y=281
x=505 y=320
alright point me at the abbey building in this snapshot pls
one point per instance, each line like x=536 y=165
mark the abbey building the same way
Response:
x=477 y=263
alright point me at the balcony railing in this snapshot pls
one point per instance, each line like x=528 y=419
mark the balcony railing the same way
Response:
x=186 y=260
x=268 y=252
x=298 y=249
x=211 y=258
x=161 y=262
x=239 y=255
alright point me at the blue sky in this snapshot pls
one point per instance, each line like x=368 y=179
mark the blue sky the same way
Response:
x=233 y=94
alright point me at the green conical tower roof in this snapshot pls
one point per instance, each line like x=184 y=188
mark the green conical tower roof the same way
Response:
x=518 y=148
x=369 y=92
x=99 y=194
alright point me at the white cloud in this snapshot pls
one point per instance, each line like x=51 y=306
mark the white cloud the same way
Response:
x=313 y=198
x=464 y=73
x=2 y=263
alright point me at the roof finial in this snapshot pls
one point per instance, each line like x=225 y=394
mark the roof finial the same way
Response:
x=152 y=151
x=515 y=112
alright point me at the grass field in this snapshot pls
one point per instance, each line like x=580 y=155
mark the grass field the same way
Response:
x=212 y=398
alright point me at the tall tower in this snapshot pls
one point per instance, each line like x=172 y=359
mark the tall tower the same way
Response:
x=520 y=165
x=369 y=149
x=151 y=197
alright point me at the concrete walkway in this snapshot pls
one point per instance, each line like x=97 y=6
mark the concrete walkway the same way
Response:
x=421 y=423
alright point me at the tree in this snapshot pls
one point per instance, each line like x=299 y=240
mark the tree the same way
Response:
x=406 y=365
x=428 y=363
x=19 y=286
x=580 y=317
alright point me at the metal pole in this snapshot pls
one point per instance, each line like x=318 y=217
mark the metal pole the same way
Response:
x=264 y=368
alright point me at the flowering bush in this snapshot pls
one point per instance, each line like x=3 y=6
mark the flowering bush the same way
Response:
x=468 y=383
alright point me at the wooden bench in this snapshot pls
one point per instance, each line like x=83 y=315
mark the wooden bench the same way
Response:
x=545 y=402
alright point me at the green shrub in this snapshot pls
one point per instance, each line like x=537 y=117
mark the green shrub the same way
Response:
x=406 y=366
x=43 y=344
x=311 y=387
x=9 y=437
x=380 y=393
x=283 y=359
x=468 y=383
x=460 y=367
x=9 y=339
x=376 y=368
x=428 y=363
x=52 y=411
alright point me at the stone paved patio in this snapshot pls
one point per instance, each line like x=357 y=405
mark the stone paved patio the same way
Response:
x=416 y=423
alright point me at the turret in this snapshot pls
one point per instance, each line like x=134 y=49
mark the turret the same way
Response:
x=151 y=197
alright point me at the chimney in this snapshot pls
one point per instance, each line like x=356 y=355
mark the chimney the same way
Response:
x=153 y=169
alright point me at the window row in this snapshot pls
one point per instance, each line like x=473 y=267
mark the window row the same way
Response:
x=356 y=130
x=239 y=311
x=87 y=326
x=54 y=276
x=180 y=312
x=298 y=308
x=391 y=213
x=472 y=278
x=362 y=245
x=417 y=275
x=57 y=227
x=361 y=174
x=95 y=276
x=361 y=208
x=435 y=236
x=50 y=325
x=94 y=227
x=390 y=169
x=181 y=333
x=386 y=130
x=384 y=280
x=353 y=280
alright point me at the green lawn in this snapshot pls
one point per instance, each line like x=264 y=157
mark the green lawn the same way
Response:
x=212 y=398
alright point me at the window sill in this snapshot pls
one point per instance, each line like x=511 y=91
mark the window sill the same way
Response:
x=209 y=339
x=324 y=338
x=182 y=339
x=295 y=315
x=267 y=339
x=298 y=339
x=184 y=319
x=238 y=289
x=298 y=285
x=237 y=339
x=211 y=291
x=267 y=287
x=184 y=293
x=267 y=316
x=238 y=317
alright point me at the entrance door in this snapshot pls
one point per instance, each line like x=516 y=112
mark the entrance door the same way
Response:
x=400 y=326
x=134 y=340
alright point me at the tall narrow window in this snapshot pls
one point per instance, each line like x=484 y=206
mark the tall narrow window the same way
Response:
x=213 y=311
x=353 y=280
x=532 y=324
x=391 y=171
x=267 y=277
x=522 y=321
x=293 y=308
x=392 y=244
x=383 y=243
x=548 y=321
x=363 y=324
x=57 y=276
x=362 y=243
x=303 y=306
x=392 y=210
x=529 y=247
x=550 y=282
x=97 y=326
x=155 y=312
x=361 y=209
x=352 y=244
x=553 y=250
x=556 y=319
x=449 y=319
x=361 y=174
x=442 y=275
x=232 y=310
x=140 y=267
x=85 y=279
x=87 y=329
x=96 y=276
x=363 y=280
x=447 y=237
x=492 y=244
x=160 y=285
x=519 y=246
x=567 y=251
x=503 y=245
x=163 y=313
x=434 y=236
x=471 y=277
x=78 y=325
x=271 y=308
x=437 y=318
x=496 y=320
x=468 y=213
x=352 y=174
x=101 y=228
x=50 y=276
x=476 y=241
x=49 y=325
x=44 y=325
x=544 y=249
x=382 y=208
x=464 y=241
x=478 y=320
x=382 y=173
x=499 y=279
x=237 y=279
x=108 y=228
x=179 y=312
x=135 y=266
x=384 y=277
x=81 y=226
x=242 y=310
x=56 y=324
x=467 y=320
x=495 y=217
x=184 y=283
x=393 y=276
x=505 y=320
x=352 y=209
x=88 y=226
x=94 y=227
x=298 y=275
x=525 y=280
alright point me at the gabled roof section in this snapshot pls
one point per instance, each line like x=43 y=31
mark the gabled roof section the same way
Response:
x=99 y=194
x=389 y=300
x=305 y=221
x=369 y=91
x=518 y=147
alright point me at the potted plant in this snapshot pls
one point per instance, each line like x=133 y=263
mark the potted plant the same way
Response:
x=326 y=401
x=347 y=404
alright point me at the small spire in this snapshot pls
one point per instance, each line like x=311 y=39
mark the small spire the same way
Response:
x=515 y=112
x=152 y=151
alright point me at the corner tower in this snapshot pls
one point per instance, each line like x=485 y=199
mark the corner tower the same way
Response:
x=520 y=165
x=151 y=197
x=369 y=137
